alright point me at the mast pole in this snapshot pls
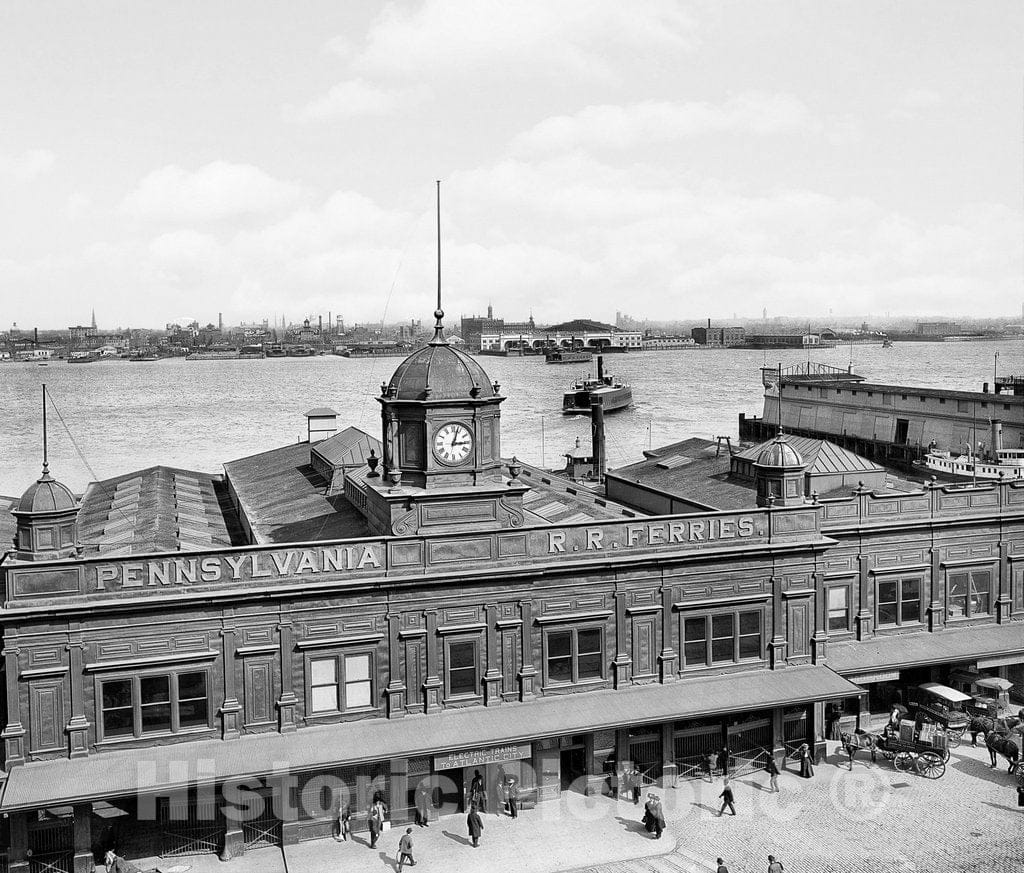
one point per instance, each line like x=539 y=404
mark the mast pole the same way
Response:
x=45 y=459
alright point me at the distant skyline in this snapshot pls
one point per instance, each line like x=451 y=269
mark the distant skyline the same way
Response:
x=676 y=161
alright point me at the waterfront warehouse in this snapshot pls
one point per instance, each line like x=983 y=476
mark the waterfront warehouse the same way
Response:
x=214 y=663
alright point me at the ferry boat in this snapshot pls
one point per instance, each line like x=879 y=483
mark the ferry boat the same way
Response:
x=614 y=393
x=568 y=356
x=1008 y=464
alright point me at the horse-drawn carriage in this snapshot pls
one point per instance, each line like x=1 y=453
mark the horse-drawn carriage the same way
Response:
x=922 y=749
x=941 y=705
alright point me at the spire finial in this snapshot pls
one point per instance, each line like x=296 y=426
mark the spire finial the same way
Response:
x=46 y=466
x=439 y=339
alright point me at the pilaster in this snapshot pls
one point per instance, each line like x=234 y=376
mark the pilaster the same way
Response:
x=287 y=702
x=777 y=645
x=865 y=618
x=230 y=708
x=528 y=672
x=819 y=640
x=622 y=665
x=394 y=693
x=13 y=733
x=669 y=652
x=492 y=676
x=77 y=727
x=1004 y=603
x=432 y=685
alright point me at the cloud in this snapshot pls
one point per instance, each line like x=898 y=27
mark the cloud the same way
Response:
x=625 y=127
x=920 y=98
x=215 y=192
x=529 y=38
x=351 y=99
x=25 y=167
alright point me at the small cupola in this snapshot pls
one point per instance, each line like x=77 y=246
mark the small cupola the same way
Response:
x=46 y=515
x=779 y=474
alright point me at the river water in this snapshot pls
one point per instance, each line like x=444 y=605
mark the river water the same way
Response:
x=114 y=417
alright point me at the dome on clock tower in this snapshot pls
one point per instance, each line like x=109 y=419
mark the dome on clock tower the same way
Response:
x=439 y=372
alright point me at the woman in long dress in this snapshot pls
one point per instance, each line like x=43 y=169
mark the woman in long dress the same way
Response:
x=806 y=764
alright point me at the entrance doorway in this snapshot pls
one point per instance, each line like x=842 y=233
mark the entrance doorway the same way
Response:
x=573 y=767
x=450 y=790
x=902 y=431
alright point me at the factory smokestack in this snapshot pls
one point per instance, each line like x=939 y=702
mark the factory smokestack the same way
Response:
x=597 y=434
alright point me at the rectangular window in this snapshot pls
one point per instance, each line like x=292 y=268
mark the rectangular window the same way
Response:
x=575 y=655
x=462 y=668
x=358 y=692
x=695 y=646
x=154 y=704
x=750 y=635
x=969 y=594
x=963 y=406
x=839 y=608
x=722 y=638
x=898 y=601
x=323 y=685
x=118 y=718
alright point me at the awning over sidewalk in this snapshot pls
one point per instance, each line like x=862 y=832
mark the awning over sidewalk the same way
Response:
x=893 y=652
x=158 y=769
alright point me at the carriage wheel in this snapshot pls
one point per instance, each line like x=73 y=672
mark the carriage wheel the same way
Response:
x=945 y=755
x=955 y=737
x=904 y=761
x=930 y=765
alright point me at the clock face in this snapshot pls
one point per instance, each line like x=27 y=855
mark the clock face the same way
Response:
x=452 y=443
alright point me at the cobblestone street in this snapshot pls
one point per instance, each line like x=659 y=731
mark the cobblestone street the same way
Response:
x=876 y=819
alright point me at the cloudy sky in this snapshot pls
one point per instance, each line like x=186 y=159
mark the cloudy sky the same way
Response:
x=165 y=161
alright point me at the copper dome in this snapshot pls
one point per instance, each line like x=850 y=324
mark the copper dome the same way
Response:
x=779 y=453
x=439 y=372
x=46 y=494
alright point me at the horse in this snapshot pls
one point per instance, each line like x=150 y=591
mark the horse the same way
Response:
x=1005 y=746
x=983 y=724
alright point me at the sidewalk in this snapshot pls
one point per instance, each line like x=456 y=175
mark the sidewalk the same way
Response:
x=876 y=818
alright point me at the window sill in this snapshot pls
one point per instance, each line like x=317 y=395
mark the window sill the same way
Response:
x=338 y=714
x=155 y=738
x=571 y=687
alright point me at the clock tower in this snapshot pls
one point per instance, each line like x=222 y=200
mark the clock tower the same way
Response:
x=441 y=432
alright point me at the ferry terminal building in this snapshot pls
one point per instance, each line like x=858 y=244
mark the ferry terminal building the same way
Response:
x=384 y=610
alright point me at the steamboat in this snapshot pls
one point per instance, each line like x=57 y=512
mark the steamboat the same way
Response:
x=614 y=393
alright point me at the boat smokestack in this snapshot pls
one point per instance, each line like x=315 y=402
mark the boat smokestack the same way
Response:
x=997 y=438
x=600 y=368
x=597 y=435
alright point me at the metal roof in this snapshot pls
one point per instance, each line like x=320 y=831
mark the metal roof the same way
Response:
x=820 y=456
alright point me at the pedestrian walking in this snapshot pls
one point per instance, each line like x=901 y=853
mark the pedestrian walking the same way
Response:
x=773 y=773
x=342 y=820
x=773 y=865
x=723 y=760
x=727 y=799
x=475 y=825
x=477 y=792
x=375 y=819
x=513 y=799
x=806 y=763
x=721 y=866
x=709 y=766
x=851 y=750
x=654 y=816
x=636 y=784
x=423 y=804
x=405 y=850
